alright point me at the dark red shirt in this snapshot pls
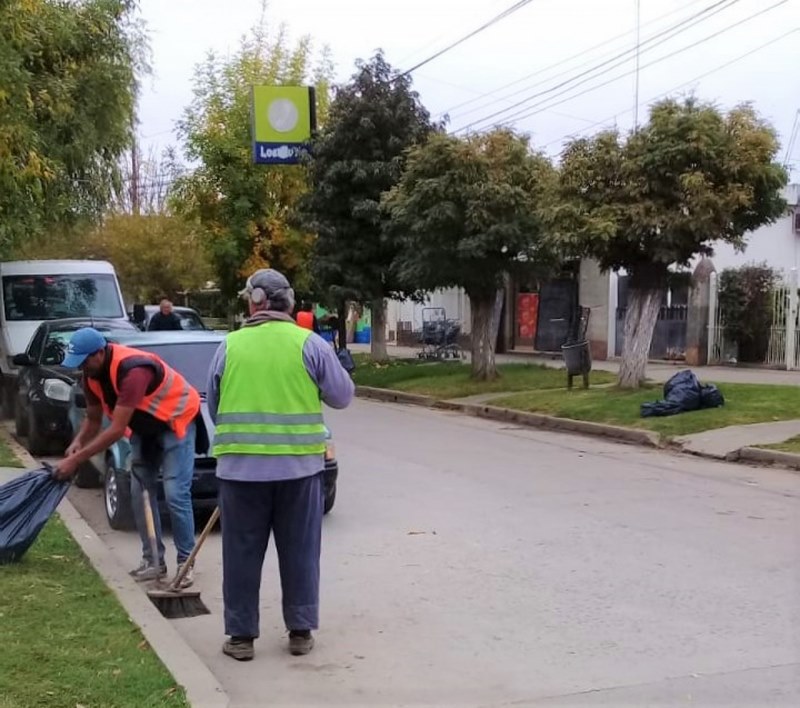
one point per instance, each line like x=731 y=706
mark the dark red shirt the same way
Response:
x=132 y=390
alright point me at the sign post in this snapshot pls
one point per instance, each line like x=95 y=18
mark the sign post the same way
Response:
x=283 y=119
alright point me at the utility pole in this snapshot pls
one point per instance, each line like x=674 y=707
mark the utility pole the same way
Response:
x=134 y=186
x=636 y=81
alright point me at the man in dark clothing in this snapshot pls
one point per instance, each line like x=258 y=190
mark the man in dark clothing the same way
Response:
x=165 y=319
x=139 y=393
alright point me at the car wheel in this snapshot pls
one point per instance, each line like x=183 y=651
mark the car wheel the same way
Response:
x=330 y=498
x=117 y=498
x=20 y=421
x=87 y=477
x=38 y=443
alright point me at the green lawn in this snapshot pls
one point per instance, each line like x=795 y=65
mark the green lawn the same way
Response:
x=744 y=403
x=67 y=642
x=7 y=456
x=445 y=380
x=790 y=445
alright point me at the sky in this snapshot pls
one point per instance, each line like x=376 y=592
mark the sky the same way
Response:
x=539 y=70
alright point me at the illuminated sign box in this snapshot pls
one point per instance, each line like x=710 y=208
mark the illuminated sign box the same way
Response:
x=284 y=119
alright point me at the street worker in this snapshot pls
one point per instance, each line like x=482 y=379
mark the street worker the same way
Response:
x=140 y=394
x=264 y=392
x=306 y=317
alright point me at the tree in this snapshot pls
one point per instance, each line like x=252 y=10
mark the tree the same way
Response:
x=690 y=177
x=468 y=212
x=746 y=297
x=246 y=211
x=67 y=94
x=153 y=254
x=358 y=155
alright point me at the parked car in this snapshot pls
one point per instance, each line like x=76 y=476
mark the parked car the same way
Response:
x=43 y=386
x=191 y=354
x=190 y=319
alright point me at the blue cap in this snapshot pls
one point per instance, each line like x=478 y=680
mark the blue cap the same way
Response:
x=85 y=342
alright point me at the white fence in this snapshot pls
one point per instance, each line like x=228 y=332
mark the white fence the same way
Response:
x=784 y=338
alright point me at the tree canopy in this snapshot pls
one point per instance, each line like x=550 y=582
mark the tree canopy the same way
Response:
x=358 y=155
x=246 y=211
x=68 y=84
x=468 y=212
x=688 y=178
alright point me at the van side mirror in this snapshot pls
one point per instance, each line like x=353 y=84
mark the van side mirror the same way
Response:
x=139 y=314
x=22 y=360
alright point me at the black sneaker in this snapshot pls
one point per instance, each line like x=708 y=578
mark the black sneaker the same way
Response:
x=300 y=642
x=239 y=648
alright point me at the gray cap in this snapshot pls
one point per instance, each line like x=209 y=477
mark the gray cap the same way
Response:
x=272 y=282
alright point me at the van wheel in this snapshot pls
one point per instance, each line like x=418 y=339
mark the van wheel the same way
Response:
x=20 y=421
x=7 y=395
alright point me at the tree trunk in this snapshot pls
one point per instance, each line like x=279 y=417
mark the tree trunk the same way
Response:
x=482 y=309
x=645 y=295
x=378 y=338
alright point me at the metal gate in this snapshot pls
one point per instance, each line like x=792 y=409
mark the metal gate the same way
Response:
x=558 y=301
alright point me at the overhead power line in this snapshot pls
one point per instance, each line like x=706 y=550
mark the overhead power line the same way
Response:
x=486 y=25
x=529 y=111
x=555 y=65
x=691 y=81
x=792 y=138
x=618 y=59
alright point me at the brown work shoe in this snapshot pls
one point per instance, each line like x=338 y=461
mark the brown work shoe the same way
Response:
x=300 y=642
x=239 y=648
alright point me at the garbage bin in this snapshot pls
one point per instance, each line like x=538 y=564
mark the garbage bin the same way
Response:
x=577 y=360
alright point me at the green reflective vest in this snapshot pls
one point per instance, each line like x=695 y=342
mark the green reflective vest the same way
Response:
x=268 y=404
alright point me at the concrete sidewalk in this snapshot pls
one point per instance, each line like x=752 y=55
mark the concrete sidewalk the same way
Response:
x=656 y=371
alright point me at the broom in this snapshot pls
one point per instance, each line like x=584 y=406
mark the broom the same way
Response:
x=174 y=602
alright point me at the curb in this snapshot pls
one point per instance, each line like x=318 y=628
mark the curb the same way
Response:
x=771 y=457
x=533 y=420
x=201 y=686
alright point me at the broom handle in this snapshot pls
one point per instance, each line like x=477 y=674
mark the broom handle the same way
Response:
x=198 y=544
x=151 y=526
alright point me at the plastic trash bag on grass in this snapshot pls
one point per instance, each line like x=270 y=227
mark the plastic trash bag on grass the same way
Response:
x=26 y=503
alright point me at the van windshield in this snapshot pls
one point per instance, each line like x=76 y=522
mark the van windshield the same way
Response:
x=52 y=297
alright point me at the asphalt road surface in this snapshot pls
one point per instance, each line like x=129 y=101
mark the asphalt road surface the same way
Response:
x=468 y=563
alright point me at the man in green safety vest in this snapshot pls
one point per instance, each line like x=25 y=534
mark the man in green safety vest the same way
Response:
x=266 y=387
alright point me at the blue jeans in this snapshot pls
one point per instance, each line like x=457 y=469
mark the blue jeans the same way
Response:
x=174 y=458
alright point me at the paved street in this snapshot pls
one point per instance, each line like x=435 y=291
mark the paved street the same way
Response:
x=468 y=563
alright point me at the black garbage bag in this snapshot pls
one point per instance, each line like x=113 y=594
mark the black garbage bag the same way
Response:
x=26 y=503
x=711 y=397
x=682 y=393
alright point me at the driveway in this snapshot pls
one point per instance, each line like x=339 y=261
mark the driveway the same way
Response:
x=468 y=563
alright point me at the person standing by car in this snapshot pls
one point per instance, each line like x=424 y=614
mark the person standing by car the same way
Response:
x=165 y=320
x=306 y=317
x=264 y=392
x=140 y=393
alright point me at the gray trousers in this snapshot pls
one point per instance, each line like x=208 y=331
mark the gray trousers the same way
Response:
x=250 y=511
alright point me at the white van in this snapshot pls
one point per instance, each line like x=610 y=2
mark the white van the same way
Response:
x=34 y=291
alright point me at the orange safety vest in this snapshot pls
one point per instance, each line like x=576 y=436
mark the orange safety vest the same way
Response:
x=306 y=320
x=173 y=401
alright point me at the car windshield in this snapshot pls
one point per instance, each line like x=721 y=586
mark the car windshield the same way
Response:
x=189 y=320
x=52 y=297
x=191 y=359
x=55 y=348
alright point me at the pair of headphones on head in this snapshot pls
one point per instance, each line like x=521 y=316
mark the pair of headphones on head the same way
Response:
x=258 y=296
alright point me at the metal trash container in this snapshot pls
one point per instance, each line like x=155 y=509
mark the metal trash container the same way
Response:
x=578 y=361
